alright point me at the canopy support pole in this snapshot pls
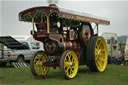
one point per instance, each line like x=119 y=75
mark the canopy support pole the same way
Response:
x=97 y=29
x=48 y=25
x=33 y=26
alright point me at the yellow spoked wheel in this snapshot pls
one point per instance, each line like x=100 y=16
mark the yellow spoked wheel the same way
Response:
x=37 y=64
x=69 y=64
x=97 y=55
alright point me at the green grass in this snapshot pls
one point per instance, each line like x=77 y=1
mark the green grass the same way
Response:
x=114 y=75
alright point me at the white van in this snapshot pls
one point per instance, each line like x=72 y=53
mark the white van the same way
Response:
x=112 y=44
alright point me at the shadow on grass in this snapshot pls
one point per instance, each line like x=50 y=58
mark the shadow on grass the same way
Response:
x=57 y=74
x=83 y=70
x=8 y=66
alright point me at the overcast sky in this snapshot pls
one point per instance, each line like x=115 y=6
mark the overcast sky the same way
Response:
x=115 y=11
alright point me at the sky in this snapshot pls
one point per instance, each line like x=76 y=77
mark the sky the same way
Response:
x=115 y=11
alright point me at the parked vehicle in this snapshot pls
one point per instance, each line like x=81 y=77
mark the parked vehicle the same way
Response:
x=122 y=41
x=3 y=60
x=28 y=39
x=112 y=43
x=15 y=51
x=126 y=51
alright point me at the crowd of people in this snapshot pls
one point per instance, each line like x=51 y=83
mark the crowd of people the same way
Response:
x=117 y=59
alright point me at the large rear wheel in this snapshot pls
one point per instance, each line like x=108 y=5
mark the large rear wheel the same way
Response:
x=69 y=64
x=37 y=64
x=97 y=55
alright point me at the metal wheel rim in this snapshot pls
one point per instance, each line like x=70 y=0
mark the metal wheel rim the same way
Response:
x=39 y=59
x=71 y=64
x=101 y=54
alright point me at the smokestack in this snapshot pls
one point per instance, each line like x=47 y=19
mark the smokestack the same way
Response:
x=52 y=1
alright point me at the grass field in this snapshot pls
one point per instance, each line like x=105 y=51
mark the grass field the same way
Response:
x=114 y=75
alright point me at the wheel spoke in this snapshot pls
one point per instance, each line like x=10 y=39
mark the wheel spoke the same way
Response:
x=67 y=71
x=96 y=57
x=72 y=60
x=38 y=56
x=36 y=64
x=100 y=42
x=96 y=51
x=38 y=70
x=98 y=63
x=69 y=57
x=102 y=59
x=71 y=71
x=98 y=45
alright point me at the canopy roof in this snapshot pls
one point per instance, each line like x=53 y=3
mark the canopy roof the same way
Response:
x=63 y=13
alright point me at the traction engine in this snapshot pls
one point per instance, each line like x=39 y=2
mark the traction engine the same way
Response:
x=69 y=41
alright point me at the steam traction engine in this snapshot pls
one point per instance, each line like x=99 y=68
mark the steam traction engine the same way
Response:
x=69 y=40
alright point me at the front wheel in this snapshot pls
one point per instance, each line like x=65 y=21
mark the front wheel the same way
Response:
x=69 y=64
x=97 y=55
x=37 y=64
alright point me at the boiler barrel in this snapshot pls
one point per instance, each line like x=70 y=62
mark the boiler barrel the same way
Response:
x=69 y=45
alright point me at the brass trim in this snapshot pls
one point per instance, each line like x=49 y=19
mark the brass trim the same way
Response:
x=48 y=24
x=64 y=46
x=53 y=11
x=39 y=12
x=70 y=44
x=33 y=29
x=55 y=39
